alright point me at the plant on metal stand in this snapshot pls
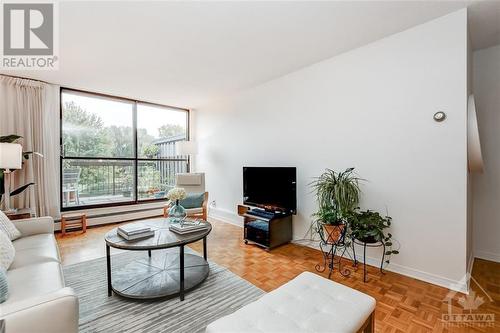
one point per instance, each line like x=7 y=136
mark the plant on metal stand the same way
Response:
x=337 y=194
x=369 y=227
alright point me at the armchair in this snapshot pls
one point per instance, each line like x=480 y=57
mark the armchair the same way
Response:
x=192 y=183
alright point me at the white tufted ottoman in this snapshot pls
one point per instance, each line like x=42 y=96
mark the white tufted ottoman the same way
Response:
x=308 y=303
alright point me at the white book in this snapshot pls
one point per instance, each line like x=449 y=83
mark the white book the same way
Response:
x=187 y=228
x=136 y=236
x=135 y=228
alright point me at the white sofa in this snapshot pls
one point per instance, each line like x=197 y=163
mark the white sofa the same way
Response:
x=308 y=303
x=38 y=299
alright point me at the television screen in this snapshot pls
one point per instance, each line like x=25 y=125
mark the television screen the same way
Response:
x=270 y=187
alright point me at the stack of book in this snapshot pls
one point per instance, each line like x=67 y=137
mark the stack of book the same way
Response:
x=188 y=227
x=135 y=231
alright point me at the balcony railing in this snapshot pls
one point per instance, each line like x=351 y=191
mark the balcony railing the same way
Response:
x=91 y=181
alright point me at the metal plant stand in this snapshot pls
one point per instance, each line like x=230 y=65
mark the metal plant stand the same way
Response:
x=333 y=245
x=365 y=245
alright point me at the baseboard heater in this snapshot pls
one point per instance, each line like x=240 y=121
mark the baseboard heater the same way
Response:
x=101 y=218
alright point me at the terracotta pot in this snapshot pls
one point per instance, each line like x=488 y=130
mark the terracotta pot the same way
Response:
x=333 y=232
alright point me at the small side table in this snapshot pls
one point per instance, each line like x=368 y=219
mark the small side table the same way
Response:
x=365 y=245
x=73 y=220
x=18 y=214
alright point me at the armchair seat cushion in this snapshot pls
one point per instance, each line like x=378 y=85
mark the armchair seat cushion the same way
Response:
x=192 y=211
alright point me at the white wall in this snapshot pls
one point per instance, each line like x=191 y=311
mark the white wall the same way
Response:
x=487 y=186
x=470 y=203
x=370 y=108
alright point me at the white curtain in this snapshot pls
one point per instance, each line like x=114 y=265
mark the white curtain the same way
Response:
x=31 y=109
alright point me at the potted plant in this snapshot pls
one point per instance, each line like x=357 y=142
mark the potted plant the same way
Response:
x=369 y=227
x=337 y=194
x=329 y=224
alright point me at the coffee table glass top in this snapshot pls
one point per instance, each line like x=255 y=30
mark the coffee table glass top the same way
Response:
x=163 y=238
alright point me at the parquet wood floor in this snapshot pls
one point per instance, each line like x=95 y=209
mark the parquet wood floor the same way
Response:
x=403 y=304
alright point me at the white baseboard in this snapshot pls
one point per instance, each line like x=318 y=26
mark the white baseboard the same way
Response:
x=226 y=216
x=232 y=218
x=403 y=270
x=487 y=255
x=470 y=265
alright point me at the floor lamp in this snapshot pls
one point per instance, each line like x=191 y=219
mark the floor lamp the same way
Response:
x=186 y=148
x=11 y=155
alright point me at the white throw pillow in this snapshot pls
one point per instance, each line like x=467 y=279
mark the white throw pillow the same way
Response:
x=7 y=251
x=8 y=227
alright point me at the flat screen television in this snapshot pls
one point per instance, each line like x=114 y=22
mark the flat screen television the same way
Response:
x=273 y=188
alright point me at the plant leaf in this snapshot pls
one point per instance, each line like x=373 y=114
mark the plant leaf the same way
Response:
x=21 y=189
x=9 y=138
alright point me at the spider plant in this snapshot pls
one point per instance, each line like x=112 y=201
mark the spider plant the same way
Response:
x=338 y=190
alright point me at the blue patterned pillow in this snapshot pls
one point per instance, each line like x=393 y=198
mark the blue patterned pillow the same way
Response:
x=4 y=288
x=193 y=200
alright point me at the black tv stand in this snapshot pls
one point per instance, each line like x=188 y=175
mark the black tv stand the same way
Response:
x=264 y=228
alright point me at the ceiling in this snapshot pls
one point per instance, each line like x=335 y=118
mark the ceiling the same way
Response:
x=189 y=53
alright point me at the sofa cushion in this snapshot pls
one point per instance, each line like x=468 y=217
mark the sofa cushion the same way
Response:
x=7 y=251
x=8 y=227
x=4 y=286
x=34 y=280
x=35 y=249
x=308 y=303
x=34 y=241
x=35 y=256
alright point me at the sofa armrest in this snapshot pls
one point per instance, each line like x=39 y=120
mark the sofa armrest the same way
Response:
x=33 y=226
x=54 y=312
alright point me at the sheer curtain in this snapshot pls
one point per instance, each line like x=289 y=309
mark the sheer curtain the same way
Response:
x=31 y=109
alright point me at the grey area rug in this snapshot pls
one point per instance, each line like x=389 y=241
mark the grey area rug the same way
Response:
x=220 y=294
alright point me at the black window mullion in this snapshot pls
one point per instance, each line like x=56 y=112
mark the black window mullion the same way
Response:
x=136 y=146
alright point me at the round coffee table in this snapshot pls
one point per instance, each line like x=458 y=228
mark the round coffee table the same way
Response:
x=163 y=274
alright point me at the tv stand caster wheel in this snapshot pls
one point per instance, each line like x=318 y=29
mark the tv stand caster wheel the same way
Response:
x=246 y=242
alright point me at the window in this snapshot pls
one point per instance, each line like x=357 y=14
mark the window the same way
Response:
x=118 y=151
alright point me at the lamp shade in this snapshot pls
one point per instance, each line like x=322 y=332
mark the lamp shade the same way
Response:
x=186 y=148
x=11 y=156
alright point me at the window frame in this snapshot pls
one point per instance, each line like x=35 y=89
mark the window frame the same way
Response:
x=136 y=159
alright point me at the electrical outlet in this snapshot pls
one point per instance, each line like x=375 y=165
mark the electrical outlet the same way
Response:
x=213 y=204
